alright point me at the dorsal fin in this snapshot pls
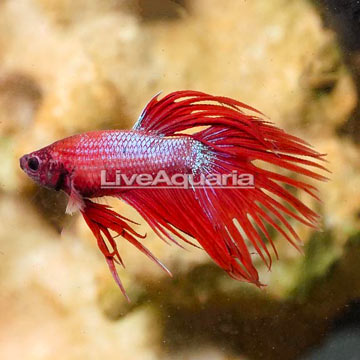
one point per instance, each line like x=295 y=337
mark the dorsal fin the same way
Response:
x=181 y=110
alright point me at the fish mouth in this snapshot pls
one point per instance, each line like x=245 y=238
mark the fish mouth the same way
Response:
x=23 y=160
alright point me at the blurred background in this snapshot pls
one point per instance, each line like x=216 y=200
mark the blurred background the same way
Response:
x=71 y=66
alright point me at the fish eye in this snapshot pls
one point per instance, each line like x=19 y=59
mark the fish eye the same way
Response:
x=33 y=163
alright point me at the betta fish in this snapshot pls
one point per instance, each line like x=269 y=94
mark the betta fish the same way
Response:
x=212 y=142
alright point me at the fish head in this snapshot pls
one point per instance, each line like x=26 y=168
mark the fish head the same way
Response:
x=43 y=167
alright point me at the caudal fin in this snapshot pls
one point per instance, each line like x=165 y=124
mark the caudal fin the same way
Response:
x=228 y=220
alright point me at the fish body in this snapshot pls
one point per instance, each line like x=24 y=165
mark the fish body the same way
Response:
x=82 y=158
x=226 y=220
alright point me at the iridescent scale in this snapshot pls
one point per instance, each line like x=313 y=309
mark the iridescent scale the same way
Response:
x=125 y=152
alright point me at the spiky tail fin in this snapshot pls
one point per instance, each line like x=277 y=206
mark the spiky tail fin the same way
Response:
x=226 y=220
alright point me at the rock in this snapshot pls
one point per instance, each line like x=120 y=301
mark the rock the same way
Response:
x=20 y=97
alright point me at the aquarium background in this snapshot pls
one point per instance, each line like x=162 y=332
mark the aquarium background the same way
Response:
x=72 y=66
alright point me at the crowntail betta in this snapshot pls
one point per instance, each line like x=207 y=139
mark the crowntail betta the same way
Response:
x=230 y=223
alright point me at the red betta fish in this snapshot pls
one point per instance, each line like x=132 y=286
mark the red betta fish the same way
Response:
x=230 y=221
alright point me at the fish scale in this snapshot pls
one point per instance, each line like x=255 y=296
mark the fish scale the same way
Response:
x=129 y=153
